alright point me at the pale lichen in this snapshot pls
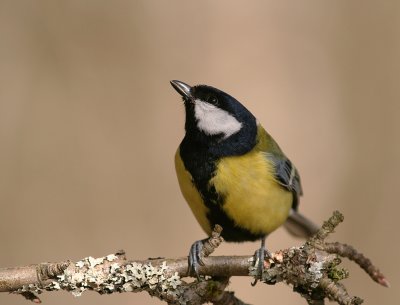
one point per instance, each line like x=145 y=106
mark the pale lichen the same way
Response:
x=30 y=288
x=139 y=276
x=129 y=277
x=106 y=276
x=315 y=272
x=111 y=257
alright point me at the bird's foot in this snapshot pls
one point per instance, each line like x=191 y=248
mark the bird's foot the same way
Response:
x=195 y=258
x=259 y=257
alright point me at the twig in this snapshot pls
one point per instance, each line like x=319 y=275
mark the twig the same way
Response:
x=365 y=263
x=212 y=243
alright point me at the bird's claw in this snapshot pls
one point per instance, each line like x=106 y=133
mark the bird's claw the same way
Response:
x=195 y=258
x=259 y=257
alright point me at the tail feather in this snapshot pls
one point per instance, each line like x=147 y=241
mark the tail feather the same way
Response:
x=300 y=226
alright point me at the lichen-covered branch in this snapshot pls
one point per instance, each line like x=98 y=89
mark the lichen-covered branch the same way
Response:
x=312 y=270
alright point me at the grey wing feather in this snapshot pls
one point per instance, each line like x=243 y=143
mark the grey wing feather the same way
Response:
x=286 y=173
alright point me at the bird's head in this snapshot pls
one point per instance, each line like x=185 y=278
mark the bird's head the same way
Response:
x=214 y=117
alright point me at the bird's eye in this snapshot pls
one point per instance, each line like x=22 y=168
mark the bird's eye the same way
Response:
x=213 y=100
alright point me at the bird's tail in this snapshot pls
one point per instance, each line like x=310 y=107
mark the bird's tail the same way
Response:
x=300 y=226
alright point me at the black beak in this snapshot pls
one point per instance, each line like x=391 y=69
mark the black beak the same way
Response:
x=182 y=88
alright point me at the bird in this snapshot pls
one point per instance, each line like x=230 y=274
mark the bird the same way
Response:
x=231 y=172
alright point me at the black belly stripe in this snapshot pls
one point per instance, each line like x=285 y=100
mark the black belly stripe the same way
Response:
x=202 y=167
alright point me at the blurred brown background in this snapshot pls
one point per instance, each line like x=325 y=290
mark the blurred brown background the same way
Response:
x=89 y=125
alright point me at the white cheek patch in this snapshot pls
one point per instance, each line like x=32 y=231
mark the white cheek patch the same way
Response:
x=213 y=120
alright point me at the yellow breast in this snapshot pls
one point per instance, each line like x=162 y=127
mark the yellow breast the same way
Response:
x=191 y=194
x=253 y=199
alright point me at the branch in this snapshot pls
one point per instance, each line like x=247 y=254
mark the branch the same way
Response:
x=312 y=270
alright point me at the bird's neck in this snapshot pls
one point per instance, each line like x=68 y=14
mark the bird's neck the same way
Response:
x=216 y=146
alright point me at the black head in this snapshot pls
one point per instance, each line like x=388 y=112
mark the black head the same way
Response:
x=216 y=120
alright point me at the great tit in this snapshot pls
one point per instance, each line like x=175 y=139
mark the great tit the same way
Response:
x=232 y=173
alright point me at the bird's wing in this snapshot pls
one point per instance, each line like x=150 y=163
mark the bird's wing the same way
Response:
x=286 y=175
x=285 y=172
